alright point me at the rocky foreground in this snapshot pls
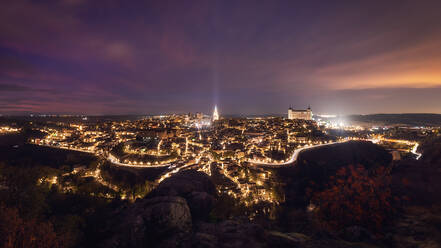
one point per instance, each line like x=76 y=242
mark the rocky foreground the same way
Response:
x=179 y=212
x=176 y=214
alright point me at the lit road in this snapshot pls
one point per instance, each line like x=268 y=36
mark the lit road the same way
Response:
x=294 y=156
x=66 y=148
x=110 y=158
x=174 y=171
x=114 y=161
x=413 y=150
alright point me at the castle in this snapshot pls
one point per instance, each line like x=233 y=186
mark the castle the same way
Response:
x=305 y=114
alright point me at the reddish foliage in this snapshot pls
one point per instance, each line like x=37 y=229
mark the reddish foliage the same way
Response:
x=355 y=197
x=18 y=233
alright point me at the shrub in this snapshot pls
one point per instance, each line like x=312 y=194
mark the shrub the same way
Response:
x=355 y=196
x=18 y=233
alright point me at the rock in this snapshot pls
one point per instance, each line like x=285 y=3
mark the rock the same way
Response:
x=184 y=183
x=164 y=217
x=356 y=234
x=166 y=214
x=278 y=239
x=160 y=222
x=200 y=203
x=196 y=187
x=204 y=240
x=228 y=234
x=418 y=227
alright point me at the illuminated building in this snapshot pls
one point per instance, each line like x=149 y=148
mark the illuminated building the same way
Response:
x=215 y=114
x=305 y=114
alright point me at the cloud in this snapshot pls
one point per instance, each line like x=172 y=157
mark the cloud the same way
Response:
x=13 y=88
x=381 y=100
x=104 y=56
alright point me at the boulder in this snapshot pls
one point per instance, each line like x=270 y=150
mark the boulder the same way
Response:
x=278 y=239
x=184 y=183
x=356 y=234
x=195 y=186
x=229 y=233
x=165 y=215
x=149 y=222
x=201 y=204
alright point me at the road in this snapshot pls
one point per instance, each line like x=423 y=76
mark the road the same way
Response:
x=414 y=148
x=295 y=155
x=66 y=148
x=109 y=158
x=414 y=151
x=293 y=158
x=114 y=161
x=297 y=151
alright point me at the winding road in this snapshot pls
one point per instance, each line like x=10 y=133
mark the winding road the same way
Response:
x=114 y=161
x=295 y=155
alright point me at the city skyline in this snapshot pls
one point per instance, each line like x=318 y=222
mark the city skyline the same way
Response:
x=101 y=58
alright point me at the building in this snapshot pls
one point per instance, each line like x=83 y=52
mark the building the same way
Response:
x=215 y=114
x=304 y=114
x=199 y=116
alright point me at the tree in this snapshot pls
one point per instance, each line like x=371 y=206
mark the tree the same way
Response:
x=18 y=233
x=355 y=196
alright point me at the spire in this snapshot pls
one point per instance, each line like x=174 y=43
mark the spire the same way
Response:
x=215 y=114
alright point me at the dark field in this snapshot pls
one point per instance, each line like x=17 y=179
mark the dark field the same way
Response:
x=33 y=156
x=124 y=175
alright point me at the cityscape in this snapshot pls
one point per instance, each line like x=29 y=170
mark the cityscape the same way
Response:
x=242 y=156
x=210 y=123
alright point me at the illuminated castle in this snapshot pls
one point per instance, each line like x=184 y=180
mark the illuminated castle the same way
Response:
x=215 y=114
x=305 y=114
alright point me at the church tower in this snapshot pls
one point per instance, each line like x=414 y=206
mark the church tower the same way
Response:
x=215 y=114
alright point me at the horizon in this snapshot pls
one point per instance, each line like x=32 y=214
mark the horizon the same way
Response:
x=227 y=115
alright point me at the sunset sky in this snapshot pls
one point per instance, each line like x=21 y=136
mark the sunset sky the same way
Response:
x=248 y=57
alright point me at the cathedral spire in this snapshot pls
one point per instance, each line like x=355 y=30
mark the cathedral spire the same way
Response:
x=215 y=114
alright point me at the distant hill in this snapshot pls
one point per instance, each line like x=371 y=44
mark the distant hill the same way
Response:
x=398 y=119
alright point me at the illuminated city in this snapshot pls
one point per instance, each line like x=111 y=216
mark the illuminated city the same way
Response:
x=240 y=150
x=244 y=157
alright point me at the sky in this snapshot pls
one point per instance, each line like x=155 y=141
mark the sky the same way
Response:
x=247 y=57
